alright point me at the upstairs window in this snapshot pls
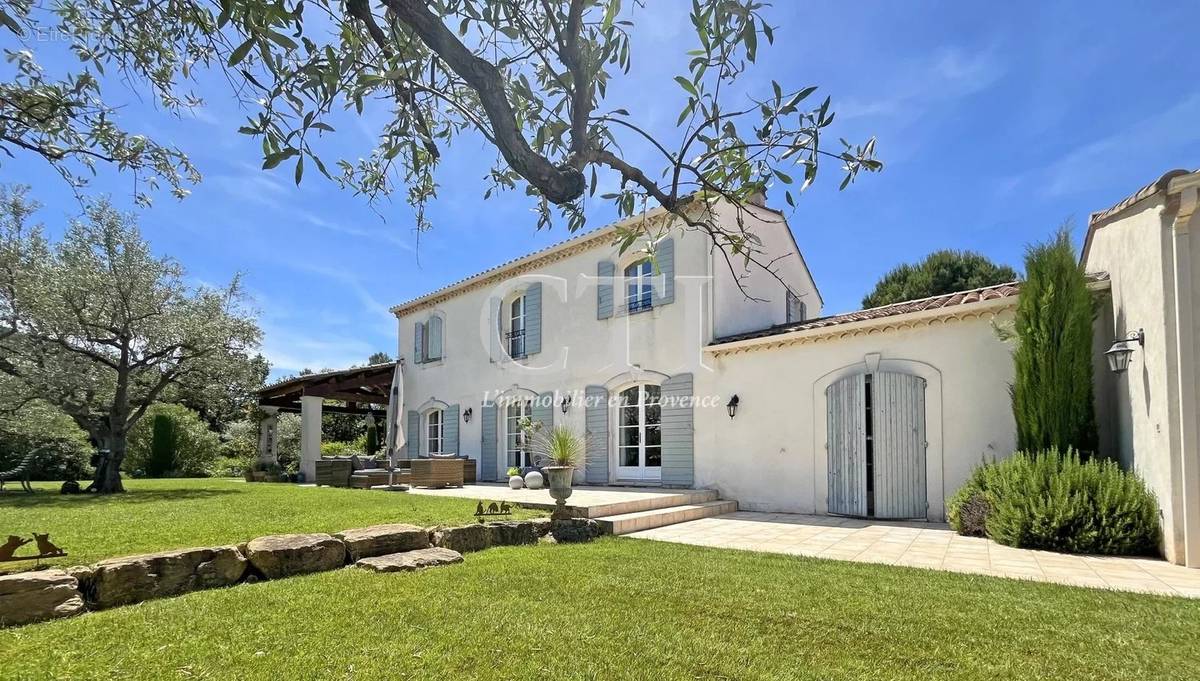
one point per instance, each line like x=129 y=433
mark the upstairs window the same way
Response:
x=796 y=311
x=516 y=328
x=638 y=286
x=427 y=345
x=433 y=431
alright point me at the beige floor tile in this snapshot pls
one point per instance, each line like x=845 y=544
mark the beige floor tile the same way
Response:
x=924 y=546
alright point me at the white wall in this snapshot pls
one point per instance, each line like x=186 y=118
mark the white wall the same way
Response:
x=771 y=457
x=1133 y=250
x=577 y=349
x=733 y=313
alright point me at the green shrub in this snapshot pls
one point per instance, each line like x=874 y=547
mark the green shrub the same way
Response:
x=195 y=446
x=1058 y=502
x=337 y=448
x=63 y=452
x=967 y=510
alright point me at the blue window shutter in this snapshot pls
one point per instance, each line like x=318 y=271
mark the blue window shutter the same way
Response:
x=434 y=351
x=414 y=436
x=418 y=343
x=487 y=441
x=494 y=353
x=596 y=422
x=450 y=429
x=678 y=441
x=664 y=258
x=533 y=318
x=543 y=411
x=803 y=312
x=604 y=289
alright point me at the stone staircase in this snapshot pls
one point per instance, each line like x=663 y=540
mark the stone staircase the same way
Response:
x=661 y=510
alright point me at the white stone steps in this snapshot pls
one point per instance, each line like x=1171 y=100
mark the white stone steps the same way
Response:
x=637 y=521
x=652 y=502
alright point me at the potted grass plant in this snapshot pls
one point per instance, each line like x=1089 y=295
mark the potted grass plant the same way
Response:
x=559 y=452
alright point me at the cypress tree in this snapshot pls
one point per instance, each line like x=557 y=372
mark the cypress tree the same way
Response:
x=1052 y=392
x=372 y=438
x=162 y=447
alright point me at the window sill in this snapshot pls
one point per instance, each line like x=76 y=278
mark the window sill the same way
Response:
x=432 y=363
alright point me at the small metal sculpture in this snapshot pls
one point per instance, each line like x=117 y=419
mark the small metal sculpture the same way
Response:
x=493 y=510
x=46 y=548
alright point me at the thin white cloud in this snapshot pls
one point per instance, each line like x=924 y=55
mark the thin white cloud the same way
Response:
x=1108 y=159
x=947 y=75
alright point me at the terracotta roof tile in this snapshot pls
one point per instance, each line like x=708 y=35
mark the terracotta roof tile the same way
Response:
x=977 y=295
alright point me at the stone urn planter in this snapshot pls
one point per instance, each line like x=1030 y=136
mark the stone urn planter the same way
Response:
x=560 y=489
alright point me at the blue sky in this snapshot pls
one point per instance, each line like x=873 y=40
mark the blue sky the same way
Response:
x=997 y=123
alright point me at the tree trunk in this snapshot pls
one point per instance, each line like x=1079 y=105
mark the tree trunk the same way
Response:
x=108 y=467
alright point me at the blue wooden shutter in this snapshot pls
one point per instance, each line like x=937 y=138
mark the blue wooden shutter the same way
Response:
x=605 y=270
x=543 y=411
x=493 y=330
x=533 y=318
x=664 y=258
x=678 y=439
x=434 y=351
x=846 y=411
x=418 y=343
x=596 y=421
x=487 y=441
x=414 y=434
x=898 y=445
x=450 y=430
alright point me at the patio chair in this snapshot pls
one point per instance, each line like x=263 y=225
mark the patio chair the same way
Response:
x=22 y=472
x=440 y=472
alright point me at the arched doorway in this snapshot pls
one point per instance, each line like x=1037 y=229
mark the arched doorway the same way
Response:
x=876 y=445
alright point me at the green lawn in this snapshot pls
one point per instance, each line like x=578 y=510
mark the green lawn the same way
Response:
x=163 y=514
x=625 y=608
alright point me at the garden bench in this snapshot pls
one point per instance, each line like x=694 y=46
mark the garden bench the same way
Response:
x=22 y=472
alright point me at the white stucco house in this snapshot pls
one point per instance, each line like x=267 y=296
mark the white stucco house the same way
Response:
x=683 y=375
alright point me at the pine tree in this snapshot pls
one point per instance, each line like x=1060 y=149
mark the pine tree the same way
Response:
x=1052 y=391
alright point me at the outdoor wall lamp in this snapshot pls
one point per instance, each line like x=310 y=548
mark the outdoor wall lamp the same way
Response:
x=467 y=415
x=565 y=404
x=1122 y=351
x=732 y=406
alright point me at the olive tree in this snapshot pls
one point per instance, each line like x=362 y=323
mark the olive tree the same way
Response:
x=530 y=77
x=102 y=328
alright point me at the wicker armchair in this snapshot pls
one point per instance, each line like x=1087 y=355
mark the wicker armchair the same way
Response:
x=434 y=473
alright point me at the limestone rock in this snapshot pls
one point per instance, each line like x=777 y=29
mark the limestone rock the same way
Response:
x=575 y=530
x=380 y=540
x=463 y=539
x=283 y=555
x=410 y=560
x=132 y=579
x=40 y=595
x=513 y=533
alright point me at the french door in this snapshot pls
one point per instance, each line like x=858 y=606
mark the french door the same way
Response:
x=515 y=447
x=639 y=435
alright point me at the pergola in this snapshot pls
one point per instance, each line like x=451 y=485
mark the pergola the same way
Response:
x=363 y=390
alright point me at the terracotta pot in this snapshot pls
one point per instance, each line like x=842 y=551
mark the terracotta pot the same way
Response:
x=560 y=481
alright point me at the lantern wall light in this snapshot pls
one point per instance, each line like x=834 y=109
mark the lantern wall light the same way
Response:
x=1122 y=351
x=565 y=404
x=732 y=406
x=467 y=415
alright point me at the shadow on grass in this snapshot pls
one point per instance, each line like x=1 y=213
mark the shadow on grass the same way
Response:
x=52 y=499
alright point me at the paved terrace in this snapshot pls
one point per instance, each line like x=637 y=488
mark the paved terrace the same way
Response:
x=924 y=545
x=588 y=502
